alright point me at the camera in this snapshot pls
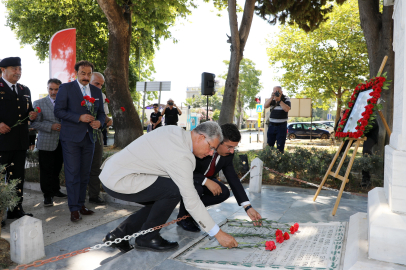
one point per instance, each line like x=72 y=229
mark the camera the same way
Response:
x=277 y=94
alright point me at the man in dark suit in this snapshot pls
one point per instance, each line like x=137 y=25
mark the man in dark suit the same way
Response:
x=76 y=136
x=15 y=106
x=48 y=144
x=210 y=190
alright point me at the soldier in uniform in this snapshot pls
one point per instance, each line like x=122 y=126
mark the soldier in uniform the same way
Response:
x=15 y=105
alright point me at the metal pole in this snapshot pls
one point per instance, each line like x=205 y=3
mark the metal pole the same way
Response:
x=311 y=122
x=159 y=98
x=143 y=106
x=207 y=113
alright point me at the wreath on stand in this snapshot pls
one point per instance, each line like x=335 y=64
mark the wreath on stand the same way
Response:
x=376 y=84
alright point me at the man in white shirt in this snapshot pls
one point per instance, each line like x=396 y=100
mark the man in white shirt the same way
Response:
x=156 y=170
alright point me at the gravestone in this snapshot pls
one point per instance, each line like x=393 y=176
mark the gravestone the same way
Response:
x=256 y=175
x=314 y=246
x=26 y=240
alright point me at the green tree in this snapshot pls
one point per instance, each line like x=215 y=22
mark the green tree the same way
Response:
x=248 y=87
x=200 y=101
x=108 y=32
x=324 y=64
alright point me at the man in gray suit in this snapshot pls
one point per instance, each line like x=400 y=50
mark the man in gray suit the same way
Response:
x=48 y=144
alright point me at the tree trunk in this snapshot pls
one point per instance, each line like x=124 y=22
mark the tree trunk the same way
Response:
x=238 y=41
x=127 y=124
x=378 y=32
x=339 y=105
x=239 y=111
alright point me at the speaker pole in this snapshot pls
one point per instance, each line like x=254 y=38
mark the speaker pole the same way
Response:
x=207 y=113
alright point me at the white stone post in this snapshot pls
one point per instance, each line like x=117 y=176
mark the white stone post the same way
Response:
x=256 y=175
x=26 y=240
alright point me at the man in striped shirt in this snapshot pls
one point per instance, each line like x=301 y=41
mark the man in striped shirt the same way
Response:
x=278 y=121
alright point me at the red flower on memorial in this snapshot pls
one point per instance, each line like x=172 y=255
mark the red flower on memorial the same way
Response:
x=286 y=236
x=278 y=232
x=123 y=109
x=270 y=245
x=107 y=100
x=38 y=109
x=280 y=239
x=296 y=225
x=83 y=103
x=292 y=230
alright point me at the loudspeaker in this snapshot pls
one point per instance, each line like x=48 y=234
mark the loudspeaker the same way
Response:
x=208 y=84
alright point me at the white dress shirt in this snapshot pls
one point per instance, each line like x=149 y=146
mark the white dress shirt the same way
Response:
x=10 y=85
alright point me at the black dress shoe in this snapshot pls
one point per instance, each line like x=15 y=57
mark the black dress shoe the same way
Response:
x=97 y=200
x=60 y=194
x=188 y=225
x=157 y=244
x=3 y=223
x=123 y=246
x=48 y=202
x=17 y=212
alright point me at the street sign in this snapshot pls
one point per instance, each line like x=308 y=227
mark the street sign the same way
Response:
x=259 y=108
x=329 y=116
x=154 y=86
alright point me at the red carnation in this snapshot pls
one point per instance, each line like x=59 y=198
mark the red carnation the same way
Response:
x=292 y=230
x=296 y=225
x=278 y=232
x=280 y=239
x=286 y=236
x=107 y=100
x=123 y=109
x=83 y=103
x=350 y=104
x=270 y=245
x=369 y=107
x=86 y=97
x=92 y=100
x=38 y=109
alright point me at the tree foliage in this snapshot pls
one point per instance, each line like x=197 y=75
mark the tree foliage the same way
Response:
x=200 y=101
x=325 y=64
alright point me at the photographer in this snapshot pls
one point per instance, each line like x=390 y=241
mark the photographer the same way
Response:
x=280 y=106
x=171 y=112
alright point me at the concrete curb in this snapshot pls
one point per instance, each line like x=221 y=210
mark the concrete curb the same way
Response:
x=104 y=195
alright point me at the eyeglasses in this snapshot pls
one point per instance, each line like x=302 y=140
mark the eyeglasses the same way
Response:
x=155 y=107
x=229 y=148
x=211 y=147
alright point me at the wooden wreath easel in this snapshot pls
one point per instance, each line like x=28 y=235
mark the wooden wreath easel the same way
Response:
x=335 y=174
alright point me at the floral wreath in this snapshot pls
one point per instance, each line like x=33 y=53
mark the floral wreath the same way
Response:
x=377 y=84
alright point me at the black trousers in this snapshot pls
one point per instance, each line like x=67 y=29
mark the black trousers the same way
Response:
x=105 y=135
x=50 y=166
x=159 y=199
x=15 y=171
x=94 y=181
x=207 y=197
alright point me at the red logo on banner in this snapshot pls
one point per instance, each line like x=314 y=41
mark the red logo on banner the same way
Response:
x=62 y=55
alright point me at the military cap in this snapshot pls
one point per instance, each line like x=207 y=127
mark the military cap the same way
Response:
x=10 y=62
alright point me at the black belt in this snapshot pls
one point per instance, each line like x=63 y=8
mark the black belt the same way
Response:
x=276 y=124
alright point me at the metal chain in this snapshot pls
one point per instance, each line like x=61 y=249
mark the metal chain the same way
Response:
x=99 y=246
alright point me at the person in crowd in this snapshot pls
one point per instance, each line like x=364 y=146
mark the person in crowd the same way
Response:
x=97 y=80
x=372 y=139
x=32 y=134
x=133 y=174
x=48 y=145
x=156 y=117
x=77 y=125
x=15 y=108
x=212 y=191
x=278 y=120
x=171 y=112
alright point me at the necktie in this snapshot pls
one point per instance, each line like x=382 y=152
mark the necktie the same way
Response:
x=212 y=168
x=14 y=89
x=84 y=94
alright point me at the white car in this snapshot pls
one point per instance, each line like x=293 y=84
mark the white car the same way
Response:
x=319 y=125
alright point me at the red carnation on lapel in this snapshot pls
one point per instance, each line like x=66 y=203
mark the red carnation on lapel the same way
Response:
x=123 y=109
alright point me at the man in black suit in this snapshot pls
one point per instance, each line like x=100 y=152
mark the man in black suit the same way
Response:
x=15 y=107
x=210 y=190
x=80 y=118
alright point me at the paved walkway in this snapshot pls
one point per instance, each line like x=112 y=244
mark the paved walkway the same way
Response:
x=283 y=204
